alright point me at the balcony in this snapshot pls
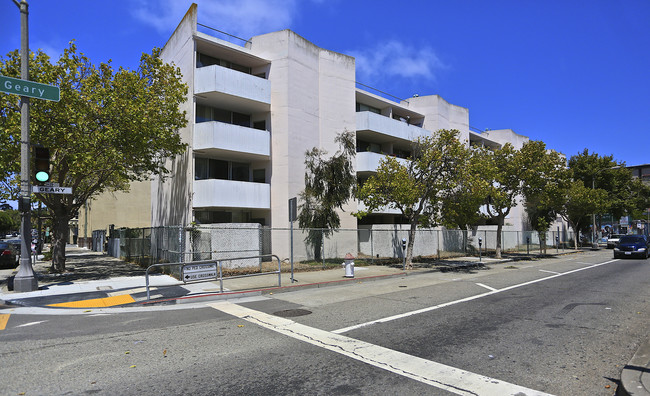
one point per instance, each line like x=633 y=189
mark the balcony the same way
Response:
x=380 y=129
x=219 y=138
x=227 y=88
x=213 y=193
x=368 y=161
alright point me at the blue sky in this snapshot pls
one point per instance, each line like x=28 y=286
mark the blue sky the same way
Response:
x=575 y=74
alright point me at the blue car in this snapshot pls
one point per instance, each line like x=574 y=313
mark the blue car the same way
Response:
x=632 y=246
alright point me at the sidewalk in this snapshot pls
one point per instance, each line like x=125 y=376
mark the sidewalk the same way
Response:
x=94 y=280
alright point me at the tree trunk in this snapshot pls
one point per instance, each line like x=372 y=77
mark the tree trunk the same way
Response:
x=409 y=246
x=60 y=237
x=500 y=221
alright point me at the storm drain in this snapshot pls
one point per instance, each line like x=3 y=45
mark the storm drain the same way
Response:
x=292 y=313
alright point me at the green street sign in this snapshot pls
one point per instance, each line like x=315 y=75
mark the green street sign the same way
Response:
x=29 y=88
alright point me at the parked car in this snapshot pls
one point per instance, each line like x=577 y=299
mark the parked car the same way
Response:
x=612 y=240
x=15 y=243
x=632 y=246
x=8 y=256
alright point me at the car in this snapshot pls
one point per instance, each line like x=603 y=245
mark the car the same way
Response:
x=632 y=246
x=15 y=243
x=8 y=256
x=612 y=240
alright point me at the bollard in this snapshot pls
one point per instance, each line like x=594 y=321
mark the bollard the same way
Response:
x=349 y=265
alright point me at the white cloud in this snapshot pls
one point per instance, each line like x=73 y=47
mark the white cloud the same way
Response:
x=394 y=59
x=243 y=18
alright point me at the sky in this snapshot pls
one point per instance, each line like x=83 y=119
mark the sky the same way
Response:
x=574 y=74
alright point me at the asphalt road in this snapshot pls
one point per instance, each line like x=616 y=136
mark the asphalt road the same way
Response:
x=562 y=326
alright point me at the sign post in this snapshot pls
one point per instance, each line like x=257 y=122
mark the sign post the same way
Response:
x=293 y=214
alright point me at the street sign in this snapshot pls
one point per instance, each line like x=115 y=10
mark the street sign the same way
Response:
x=51 y=190
x=29 y=88
x=194 y=272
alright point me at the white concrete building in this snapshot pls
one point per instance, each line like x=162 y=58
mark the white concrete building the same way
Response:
x=255 y=109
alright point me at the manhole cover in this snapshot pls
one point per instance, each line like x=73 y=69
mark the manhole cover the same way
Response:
x=292 y=313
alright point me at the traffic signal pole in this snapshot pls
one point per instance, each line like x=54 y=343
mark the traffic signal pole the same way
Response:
x=25 y=279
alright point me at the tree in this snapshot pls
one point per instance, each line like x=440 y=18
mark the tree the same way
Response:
x=513 y=174
x=580 y=203
x=109 y=128
x=329 y=184
x=604 y=172
x=418 y=186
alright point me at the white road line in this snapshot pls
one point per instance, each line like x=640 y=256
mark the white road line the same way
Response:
x=550 y=272
x=441 y=376
x=32 y=323
x=486 y=286
x=462 y=300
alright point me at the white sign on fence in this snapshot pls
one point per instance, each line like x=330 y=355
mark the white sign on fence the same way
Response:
x=194 y=272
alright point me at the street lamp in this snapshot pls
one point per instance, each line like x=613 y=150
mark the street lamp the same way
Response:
x=594 y=244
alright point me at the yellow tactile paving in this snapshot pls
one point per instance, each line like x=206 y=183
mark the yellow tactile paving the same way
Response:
x=97 y=302
x=3 y=320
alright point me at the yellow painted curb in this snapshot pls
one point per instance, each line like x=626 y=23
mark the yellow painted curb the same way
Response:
x=3 y=320
x=97 y=302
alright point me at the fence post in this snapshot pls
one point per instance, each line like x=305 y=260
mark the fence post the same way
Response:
x=372 y=247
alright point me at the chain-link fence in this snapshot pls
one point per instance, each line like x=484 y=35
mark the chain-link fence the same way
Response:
x=376 y=244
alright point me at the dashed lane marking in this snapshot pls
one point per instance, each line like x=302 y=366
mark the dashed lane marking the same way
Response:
x=4 y=318
x=550 y=272
x=438 y=375
x=97 y=302
x=486 y=286
x=32 y=323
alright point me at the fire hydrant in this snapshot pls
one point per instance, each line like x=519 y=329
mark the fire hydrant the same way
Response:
x=349 y=265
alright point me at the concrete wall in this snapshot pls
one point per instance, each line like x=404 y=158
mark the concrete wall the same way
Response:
x=312 y=99
x=123 y=209
x=172 y=199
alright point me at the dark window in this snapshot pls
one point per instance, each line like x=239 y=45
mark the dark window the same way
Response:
x=241 y=119
x=201 y=168
x=203 y=113
x=203 y=60
x=240 y=171
x=259 y=175
x=260 y=125
x=218 y=169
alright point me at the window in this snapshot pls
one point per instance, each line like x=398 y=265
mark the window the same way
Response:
x=240 y=172
x=362 y=107
x=261 y=125
x=208 y=168
x=206 y=114
x=203 y=60
x=259 y=175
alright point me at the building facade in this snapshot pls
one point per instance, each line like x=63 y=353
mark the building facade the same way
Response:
x=255 y=109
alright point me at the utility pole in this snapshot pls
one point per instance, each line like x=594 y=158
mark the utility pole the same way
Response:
x=25 y=279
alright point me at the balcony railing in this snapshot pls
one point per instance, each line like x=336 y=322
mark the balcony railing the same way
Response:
x=372 y=122
x=216 y=80
x=234 y=138
x=231 y=194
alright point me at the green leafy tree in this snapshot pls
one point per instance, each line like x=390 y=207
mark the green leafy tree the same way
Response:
x=329 y=184
x=580 y=203
x=109 y=128
x=513 y=174
x=417 y=187
x=605 y=173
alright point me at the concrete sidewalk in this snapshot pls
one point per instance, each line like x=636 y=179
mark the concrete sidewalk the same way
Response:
x=94 y=280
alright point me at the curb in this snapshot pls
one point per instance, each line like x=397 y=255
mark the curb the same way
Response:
x=635 y=377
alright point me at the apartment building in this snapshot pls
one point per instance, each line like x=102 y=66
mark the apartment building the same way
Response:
x=256 y=107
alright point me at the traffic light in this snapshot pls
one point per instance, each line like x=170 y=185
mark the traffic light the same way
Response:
x=42 y=164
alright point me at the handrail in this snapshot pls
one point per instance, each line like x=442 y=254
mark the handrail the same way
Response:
x=219 y=276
